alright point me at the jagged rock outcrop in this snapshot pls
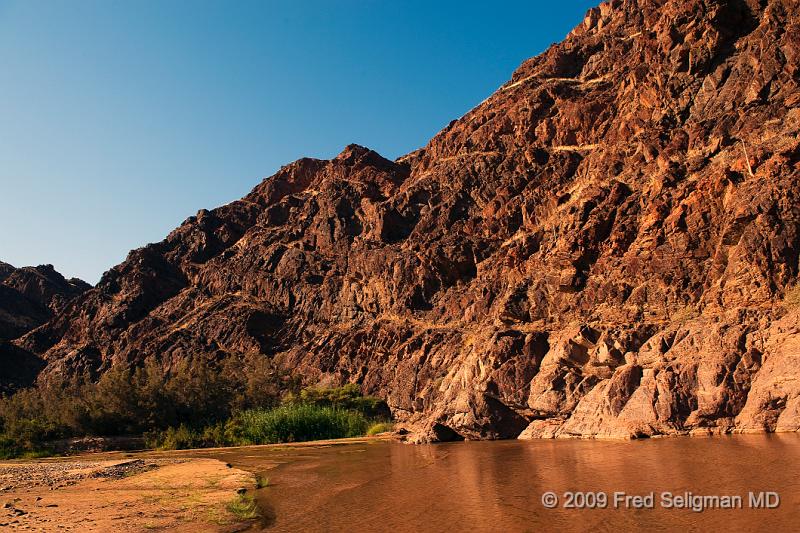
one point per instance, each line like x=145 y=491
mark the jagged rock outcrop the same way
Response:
x=29 y=297
x=606 y=246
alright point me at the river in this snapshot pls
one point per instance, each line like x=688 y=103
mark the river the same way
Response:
x=499 y=486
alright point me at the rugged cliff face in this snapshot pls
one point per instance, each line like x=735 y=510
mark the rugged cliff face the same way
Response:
x=606 y=246
x=29 y=297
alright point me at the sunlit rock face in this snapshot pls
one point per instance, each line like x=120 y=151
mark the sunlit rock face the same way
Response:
x=606 y=246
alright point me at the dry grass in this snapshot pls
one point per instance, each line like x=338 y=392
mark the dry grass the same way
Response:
x=574 y=147
x=244 y=507
x=683 y=315
x=791 y=299
x=747 y=160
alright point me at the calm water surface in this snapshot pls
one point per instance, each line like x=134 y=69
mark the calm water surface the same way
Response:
x=498 y=486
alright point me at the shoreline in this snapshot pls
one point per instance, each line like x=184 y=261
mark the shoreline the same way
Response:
x=85 y=494
x=393 y=437
x=174 y=490
x=385 y=437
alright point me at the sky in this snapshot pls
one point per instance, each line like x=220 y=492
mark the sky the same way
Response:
x=120 y=119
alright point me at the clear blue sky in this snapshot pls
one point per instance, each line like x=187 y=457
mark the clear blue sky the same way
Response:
x=120 y=119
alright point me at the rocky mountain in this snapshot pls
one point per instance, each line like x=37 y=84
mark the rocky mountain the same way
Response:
x=606 y=246
x=29 y=297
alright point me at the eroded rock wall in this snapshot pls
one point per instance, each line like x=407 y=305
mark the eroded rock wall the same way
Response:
x=606 y=246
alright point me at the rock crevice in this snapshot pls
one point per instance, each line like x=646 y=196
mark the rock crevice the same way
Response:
x=606 y=246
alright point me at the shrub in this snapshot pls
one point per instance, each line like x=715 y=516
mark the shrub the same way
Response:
x=244 y=507
x=180 y=438
x=8 y=448
x=194 y=404
x=33 y=416
x=185 y=437
x=345 y=397
x=149 y=398
x=217 y=435
x=380 y=427
x=335 y=397
x=372 y=407
x=295 y=423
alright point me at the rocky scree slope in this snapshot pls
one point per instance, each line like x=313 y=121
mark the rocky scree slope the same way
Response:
x=606 y=246
x=29 y=297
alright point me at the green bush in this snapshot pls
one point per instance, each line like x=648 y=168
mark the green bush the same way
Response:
x=8 y=448
x=380 y=427
x=147 y=399
x=295 y=423
x=288 y=423
x=195 y=404
x=336 y=397
x=180 y=438
x=32 y=417
x=345 y=397
x=184 y=437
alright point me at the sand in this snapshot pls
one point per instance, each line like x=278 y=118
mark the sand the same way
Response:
x=121 y=495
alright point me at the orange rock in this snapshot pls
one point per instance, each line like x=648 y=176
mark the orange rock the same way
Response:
x=604 y=189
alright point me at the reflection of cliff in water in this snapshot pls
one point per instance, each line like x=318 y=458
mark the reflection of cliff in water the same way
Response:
x=497 y=486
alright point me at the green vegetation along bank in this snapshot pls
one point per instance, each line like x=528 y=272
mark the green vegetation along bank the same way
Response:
x=194 y=405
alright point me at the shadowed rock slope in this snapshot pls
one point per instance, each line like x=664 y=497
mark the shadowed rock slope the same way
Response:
x=606 y=246
x=29 y=297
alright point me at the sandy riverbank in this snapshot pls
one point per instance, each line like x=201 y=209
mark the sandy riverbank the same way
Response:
x=143 y=494
x=179 y=490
